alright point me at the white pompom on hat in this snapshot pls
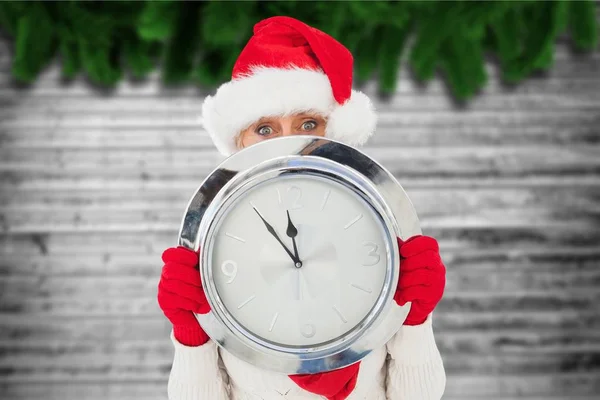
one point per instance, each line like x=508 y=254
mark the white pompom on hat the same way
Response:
x=289 y=67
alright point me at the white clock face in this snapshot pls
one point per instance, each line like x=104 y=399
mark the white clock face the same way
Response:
x=342 y=254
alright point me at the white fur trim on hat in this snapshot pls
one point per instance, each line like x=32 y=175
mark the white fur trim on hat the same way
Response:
x=273 y=92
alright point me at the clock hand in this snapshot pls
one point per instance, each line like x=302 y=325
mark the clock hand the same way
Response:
x=298 y=285
x=272 y=232
x=292 y=232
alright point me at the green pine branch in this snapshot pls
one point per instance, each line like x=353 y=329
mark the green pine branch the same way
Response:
x=199 y=41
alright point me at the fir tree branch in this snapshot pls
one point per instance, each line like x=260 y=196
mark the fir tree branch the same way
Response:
x=200 y=41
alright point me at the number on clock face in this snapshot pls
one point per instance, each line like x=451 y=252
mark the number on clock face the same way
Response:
x=295 y=194
x=373 y=255
x=229 y=269
x=338 y=234
x=292 y=198
x=308 y=330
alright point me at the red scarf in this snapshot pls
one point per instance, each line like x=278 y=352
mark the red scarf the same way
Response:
x=335 y=385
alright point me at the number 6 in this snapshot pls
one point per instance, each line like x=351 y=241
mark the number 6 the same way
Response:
x=229 y=272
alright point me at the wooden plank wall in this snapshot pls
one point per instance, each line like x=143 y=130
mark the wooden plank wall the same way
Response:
x=93 y=186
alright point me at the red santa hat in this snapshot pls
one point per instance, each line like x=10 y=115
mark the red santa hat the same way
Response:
x=289 y=67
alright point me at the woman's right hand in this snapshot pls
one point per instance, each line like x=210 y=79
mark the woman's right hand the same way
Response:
x=180 y=295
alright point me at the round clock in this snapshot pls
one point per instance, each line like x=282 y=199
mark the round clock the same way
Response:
x=299 y=256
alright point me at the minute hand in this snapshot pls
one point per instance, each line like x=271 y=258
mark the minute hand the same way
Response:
x=272 y=232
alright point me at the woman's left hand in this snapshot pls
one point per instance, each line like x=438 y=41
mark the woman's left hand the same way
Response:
x=422 y=277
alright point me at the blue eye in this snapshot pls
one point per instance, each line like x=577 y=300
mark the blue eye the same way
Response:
x=264 y=130
x=309 y=125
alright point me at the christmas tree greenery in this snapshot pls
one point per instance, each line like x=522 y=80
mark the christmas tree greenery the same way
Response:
x=199 y=41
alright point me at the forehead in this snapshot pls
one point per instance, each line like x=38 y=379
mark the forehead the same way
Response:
x=299 y=115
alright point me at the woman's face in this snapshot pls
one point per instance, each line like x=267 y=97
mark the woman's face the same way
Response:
x=270 y=127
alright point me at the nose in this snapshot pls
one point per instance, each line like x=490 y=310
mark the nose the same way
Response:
x=287 y=130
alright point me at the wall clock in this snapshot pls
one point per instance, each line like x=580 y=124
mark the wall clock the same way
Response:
x=299 y=257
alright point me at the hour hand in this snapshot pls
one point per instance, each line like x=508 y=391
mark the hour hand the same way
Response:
x=272 y=232
x=292 y=232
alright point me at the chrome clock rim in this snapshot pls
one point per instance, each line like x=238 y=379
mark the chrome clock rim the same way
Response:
x=268 y=160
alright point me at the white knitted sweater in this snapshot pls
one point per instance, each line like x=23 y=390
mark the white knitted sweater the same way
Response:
x=409 y=367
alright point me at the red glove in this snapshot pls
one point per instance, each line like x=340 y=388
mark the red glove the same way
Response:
x=422 y=281
x=180 y=295
x=422 y=277
x=334 y=385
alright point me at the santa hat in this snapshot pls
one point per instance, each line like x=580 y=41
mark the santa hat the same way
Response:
x=289 y=67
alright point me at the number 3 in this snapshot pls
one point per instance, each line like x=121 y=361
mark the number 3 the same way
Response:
x=373 y=254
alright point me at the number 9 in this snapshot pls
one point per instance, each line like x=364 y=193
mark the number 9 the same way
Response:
x=230 y=272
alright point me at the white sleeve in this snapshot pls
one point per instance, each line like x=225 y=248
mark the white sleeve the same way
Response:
x=415 y=369
x=197 y=373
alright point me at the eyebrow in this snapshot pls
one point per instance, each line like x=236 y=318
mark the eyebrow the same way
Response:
x=309 y=115
x=263 y=120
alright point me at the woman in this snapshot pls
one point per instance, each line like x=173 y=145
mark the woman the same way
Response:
x=294 y=79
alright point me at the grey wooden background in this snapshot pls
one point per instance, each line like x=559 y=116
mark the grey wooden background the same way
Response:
x=93 y=186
